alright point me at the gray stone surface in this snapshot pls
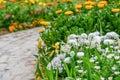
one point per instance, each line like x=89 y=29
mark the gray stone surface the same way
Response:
x=17 y=55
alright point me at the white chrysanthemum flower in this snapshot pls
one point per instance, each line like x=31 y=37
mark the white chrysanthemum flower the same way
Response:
x=102 y=78
x=115 y=35
x=96 y=33
x=92 y=60
x=72 y=36
x=97 y=67
x=110 y=35
x=117 y=57
x=65 y=48
x=110 y=78
x=83 y=35
x=116 y=72
x=91 y=36
x=109 y=56
x=114 y=68
x=76 y=67
x=72 y=42
x=79 y=61
x=72 y=53
x=78 y=79
x=67 y=60
x=61 y=56
x=80 y=54
x=80 y=71
x=108 y=41
x=60 y=69
x=56 y=63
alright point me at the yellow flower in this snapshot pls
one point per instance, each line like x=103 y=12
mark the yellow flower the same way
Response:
x=56 y=46
x=45 y=23
x=76 y=10
x=32 y=2
x=41 y=30
x=115 y=10
x=68 y=12
x=39 y=42
x=78 y=6
x=103 y=2
x=88 y=7
x=49 y=4
x=101 y=5
x=2 y=1
x=93 y=3
x=58 y=11
x=87 y=3
x=26 y=1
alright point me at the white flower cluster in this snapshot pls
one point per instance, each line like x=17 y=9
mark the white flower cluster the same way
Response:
x=94 y=40
x=56 y=63
x=108 y=47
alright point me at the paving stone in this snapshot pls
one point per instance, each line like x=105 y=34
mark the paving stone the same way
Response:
x=17 y=55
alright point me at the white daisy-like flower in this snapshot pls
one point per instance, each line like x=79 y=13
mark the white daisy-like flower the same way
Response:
x=114 y=68
x=102 y=78
x=72 y=53
x=79 y=61
x=72 y=36
x=117 y=57
x=78 y=79
x=109 y=56
x=80 y=54
x=80 y=71
x=96 y=33
x=83 y=35
x=72 y=42
x=108 y=41
x=110 y=78
x=92 y=60
x=65 y=48
x=67 y=60
x=116 y=72
x=97 y=67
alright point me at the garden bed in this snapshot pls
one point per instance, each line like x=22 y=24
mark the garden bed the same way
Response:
x=81 y=42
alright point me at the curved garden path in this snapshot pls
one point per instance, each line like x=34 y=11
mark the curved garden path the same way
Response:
x=17 y=55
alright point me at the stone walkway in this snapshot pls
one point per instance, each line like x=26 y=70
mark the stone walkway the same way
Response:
x=17 y=55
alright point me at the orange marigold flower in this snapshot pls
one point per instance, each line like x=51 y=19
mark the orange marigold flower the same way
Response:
x=68 y=12
x=93 y=3
x=63 y=0
x=49 y=4
x=58 y=11
x=56 y=0
x=78 y=6
x=87 y=3
x=103 y=2
x=41 y=30
x=76 y=10
x=13 y=0
x=11 y=28
x=101 y=5
x=88 y=7
x=1 y=7
x=45 y=23
x=115 y=10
